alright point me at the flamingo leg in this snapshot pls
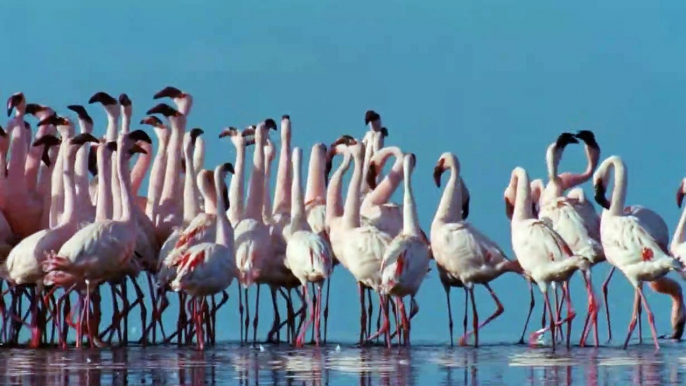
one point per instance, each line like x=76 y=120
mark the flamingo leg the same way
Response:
x=466 y=308
x=363 y=313
x=240 y=308
x=606 y=283
x=404 y=321
x=552 y=319
x=651 y=317
x=450 y=313
x=532 y=303
x=640 y=323
x=277 y=318
x=326 y=309
x=498 y=311
x=370 y=312
x=300 y=340
x=257 y=313
x=592 y=315
x=385 y=327
x=634 y=317
x=247 y=314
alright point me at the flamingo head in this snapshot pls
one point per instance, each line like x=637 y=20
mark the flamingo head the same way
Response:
x=593 y=149
x=681 y=192
x=93 y=160
x=86 y=119
x=125 y=102
x=600 y=189
x=166 y=110
x=373 y=120
x=183 y=101
x=17 y=101
x=39 y=111
x=107 y=101
x=47 y=141
x=338 y=147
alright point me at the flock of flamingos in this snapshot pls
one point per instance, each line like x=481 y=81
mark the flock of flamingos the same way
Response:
x=73 y=222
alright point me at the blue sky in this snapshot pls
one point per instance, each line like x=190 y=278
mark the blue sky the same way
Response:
x=492 y=81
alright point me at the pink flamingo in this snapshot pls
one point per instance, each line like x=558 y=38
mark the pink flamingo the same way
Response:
x=25 y=259
x=308 y=254
x=159 y=164
x=464 y=256
x=627 y=244
x=541 y=252
x=209 y=268
x=406 y=259
x=113 y=112
x=102 y=248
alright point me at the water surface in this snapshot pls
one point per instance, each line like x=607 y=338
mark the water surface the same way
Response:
x=345 y=365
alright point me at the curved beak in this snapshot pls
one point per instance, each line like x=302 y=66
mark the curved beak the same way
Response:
x=140 y=135
x=599 y=195
x=169 y=92
x=82 y=113
x=82 y=138
x=195 y=133
x=372 y=172
x=124 y=100
x=509 y=209
x=103 y=98
x=14 y=101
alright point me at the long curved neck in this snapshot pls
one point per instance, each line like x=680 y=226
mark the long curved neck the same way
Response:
x=316 y=177
x=125 y=122
x=368 y=153
x=112 y=121
x=450 y=206
x=57 y=204
x=266 y=198
x=351 y=213
x=103 y=208
x=255 y=191
x=45 y=185
x=81 y=173
x=282 y=191
x=334 y=193
x=70 y=214
x=619 y=189
x=237 y=185
x=522 y=205
x=157 y=178
x=298 y=219
x=140 y=168
x=191 y=205
x=383 y=192
x=199 y=154
x=18 y=152
x=410 y=217
x=33 y=161
x=224 y=229
x=208 y=195
x=172 y=175
x=125 y=186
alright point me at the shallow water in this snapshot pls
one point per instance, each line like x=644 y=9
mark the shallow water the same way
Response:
x=345 y=365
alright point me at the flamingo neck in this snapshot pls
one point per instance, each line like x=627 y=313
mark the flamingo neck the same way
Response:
x=256 y=189
x=334 y=193
x=103 y=208
x=225 y=235
x=157 y=177
x=70 y=214
x=450 y=206
x=383 y=192
x=298 y=219
x=284 y=178
x=351 y=213
x=237 y=185
x=191 y=206
x=410 y=217
x=125 y=184
x=522 y=204
x=620 y=186
x=140 y=168
x=316 y=176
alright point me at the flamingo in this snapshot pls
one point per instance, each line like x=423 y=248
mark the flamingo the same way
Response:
x=464 y=255
x=363 y=246
x=25 y=259
x=253 y=241
x=159 y=164
x=103 y=247
x=405 y=262
x=82 y=162
x=113 y=112
x=308 y=254
x=627 y=244
x=543 y=255
x=209 y=268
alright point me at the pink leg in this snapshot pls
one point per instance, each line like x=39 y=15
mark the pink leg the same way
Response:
x=317 y=314
x=651 y=317
x=634 y=317
x=385 y=326
x=303 y=329
x=498 y=311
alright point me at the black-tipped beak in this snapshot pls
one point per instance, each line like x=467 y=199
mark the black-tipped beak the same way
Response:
x=509 y=209
x=225 y=197
x=678 y=330
x=169 y=92
x=565 y=139
x=679 y=196
x=140 y=135
x=384 y=132
x=344 y=140
x=3 y=133
x=465 y=208
x=370 y=116
x=228 y=167
x=103 y=98
x=270 y=124
x=285 y=117
x=111 y=146
x=152 y=121
x=438 y=172
x=13 y=102
x=600 y=195
x=54 y=120
x=195 y=133
x=371 y=176
x=33 y=108
x=124 y=100
x=82 y=113
x=165 y=110
x=93 y=160
x=588 y=137
x=228 y=132
x=82 y=138
x=136 y=149
x=47 y=140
